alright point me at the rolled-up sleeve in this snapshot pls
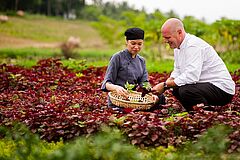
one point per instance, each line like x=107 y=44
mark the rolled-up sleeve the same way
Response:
x=190 y=74
x=176 y=72
x=111 y=73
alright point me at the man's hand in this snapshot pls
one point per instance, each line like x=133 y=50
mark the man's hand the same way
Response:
x=158 y=89
x=143 y=90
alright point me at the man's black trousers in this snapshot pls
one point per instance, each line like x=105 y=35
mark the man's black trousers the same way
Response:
x=206 y=93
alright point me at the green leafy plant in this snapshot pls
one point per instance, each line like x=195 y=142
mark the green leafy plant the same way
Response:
x=19 y=143
x=129 y=86
x=210 y=145
x=109 y=144
x=147 y=86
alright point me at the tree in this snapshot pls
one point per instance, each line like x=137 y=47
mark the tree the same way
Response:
x=48 y=7
x=16 y=5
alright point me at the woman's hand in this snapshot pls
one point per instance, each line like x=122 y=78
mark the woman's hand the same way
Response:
x=121 y=91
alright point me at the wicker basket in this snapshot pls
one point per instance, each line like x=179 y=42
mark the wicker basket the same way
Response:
x=135 y=100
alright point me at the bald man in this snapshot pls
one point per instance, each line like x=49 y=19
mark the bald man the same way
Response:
x=199 y=75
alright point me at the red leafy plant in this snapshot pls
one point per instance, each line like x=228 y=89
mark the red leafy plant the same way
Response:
x=55 y=102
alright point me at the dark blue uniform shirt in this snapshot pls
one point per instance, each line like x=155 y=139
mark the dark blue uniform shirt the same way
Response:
x=123 y=68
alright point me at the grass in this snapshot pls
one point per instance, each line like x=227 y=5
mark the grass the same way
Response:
x=231 y=57
x=157 y=66
x=28 y=57
x=160 y=66
x=232 y=67
x=29 y=52
x=42 y=29
x=47 y=29
x=96 y=54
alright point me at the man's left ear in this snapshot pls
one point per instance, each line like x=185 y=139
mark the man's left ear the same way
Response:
x=179 y=31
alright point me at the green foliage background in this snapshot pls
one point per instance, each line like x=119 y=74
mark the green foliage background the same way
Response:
x=109 y=144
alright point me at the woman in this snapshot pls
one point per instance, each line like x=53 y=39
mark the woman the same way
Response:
x=127 y=66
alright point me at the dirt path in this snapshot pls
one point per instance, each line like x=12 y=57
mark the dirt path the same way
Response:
x=13 y=42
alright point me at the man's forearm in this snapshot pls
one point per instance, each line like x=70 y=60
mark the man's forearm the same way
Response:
x=170 y=82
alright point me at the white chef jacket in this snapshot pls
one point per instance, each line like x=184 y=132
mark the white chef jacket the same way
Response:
x=197 y=62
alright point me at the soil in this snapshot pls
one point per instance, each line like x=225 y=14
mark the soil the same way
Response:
x=14 y=42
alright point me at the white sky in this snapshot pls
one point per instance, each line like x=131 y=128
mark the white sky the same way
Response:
x=210 y=10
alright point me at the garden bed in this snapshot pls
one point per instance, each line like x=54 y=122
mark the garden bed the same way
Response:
x=58 y=103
